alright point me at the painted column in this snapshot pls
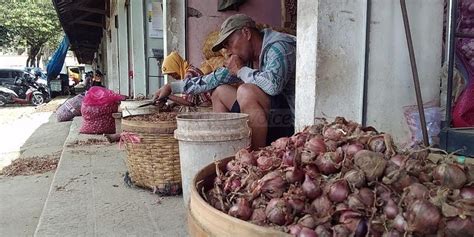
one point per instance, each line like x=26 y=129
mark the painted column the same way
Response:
x=174 y=36
x=330 y=60
x=122 y=47
x=138 y=48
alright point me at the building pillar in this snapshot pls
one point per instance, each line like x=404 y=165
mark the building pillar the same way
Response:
x=138 y=48
x=123 y=48
x=174 y=33
x=330 y=60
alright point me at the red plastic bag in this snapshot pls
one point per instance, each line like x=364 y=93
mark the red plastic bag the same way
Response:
x=463 y=112
x=97 y=95
x=97 y=108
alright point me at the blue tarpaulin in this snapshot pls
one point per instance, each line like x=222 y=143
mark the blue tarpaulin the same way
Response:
x=57 y=60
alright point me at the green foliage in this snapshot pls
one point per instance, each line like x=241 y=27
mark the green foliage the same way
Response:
x=33 y=23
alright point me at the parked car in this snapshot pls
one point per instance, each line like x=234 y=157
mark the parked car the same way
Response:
x=9 y=75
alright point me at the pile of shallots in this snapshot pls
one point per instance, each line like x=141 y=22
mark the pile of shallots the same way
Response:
x=342 y=179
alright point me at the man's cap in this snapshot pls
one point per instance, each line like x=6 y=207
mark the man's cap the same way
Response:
x=231 y=24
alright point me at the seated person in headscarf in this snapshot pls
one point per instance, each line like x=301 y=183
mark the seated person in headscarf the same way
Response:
x=178 y=68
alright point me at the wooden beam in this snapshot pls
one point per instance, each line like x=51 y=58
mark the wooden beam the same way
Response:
x=90 y=23
x=79 y=18
x=92 y=10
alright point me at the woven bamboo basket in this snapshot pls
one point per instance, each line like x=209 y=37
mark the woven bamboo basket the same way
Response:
x=153 y=162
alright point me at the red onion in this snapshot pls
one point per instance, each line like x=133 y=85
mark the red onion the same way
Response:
x=295 y=229
x=399 y=160
x=273 y=185
x=404 y=180
x=449 y=175
x=460 y=227
x=311 y=187
x=423 y=177
x=316 y=145
x=400 y=224
x=265 y=163
x=470 y=173
x=296 y=204
x=279 y=212
x=322 y=206
x=415 y=192
x=299 y=139
x=423 y=217
x=245 y=157
x=241 y=209
x=355 y=203
x=377 y=144
x=333 y=134
x=305 y=232
x=331 y=145
x=390 y=209
x=338 y=191
x=258 y=217
x=392 y=233
x=281 y=143
x=232 y=166
x=371 y=163
x=362 y=229
x=308 y=157
x=312 y=171
x=294 y=175
x=307 y=221
x=351 y=149
x=467 y=192
x=232 y=184
x=322 y=231
x=355 y=178
x=366 y=196
x=350 y=219
x=328 y=163
x=290 y=158
x=340 y=231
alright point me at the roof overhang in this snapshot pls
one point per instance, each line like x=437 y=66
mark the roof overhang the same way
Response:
x=83 y=22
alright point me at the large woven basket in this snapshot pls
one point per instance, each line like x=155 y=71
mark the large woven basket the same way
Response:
x=153 y=162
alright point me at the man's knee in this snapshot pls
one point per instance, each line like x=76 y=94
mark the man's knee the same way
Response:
x=250 y=94
x=217 y=93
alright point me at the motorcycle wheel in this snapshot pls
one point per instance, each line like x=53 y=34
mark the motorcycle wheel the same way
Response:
x=3 y=100
x=37 y=99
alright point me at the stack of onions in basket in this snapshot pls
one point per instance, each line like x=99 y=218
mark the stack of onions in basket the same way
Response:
x=341 y=179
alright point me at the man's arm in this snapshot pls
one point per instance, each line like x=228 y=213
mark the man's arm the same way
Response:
x=196 y=85
x=275 y=73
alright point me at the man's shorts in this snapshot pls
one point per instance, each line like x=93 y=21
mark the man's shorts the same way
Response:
x=280 y=122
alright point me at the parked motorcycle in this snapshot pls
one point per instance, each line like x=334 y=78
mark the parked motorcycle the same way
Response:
x=22 y=93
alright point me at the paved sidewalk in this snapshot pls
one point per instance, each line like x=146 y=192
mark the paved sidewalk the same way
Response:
x=89 y=198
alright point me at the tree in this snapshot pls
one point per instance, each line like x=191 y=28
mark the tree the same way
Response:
x=30 y=23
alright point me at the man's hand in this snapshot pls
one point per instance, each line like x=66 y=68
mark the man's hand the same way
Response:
x=163 y=92
x=234 y=64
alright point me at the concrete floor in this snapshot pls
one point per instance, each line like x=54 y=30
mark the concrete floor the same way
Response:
x=26 y=133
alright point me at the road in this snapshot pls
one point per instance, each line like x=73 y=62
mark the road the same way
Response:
x=26 y=132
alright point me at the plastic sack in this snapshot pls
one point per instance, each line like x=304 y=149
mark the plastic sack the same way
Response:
x=98 y=119
x=70 y=109
x=97 y=108
x=97 y=95
x=433 y=124
x=463 y=111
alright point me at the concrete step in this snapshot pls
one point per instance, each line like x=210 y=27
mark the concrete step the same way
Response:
x=89 y=198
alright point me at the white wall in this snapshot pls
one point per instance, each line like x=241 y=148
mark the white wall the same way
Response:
x=330 y=60
x=390 y=79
